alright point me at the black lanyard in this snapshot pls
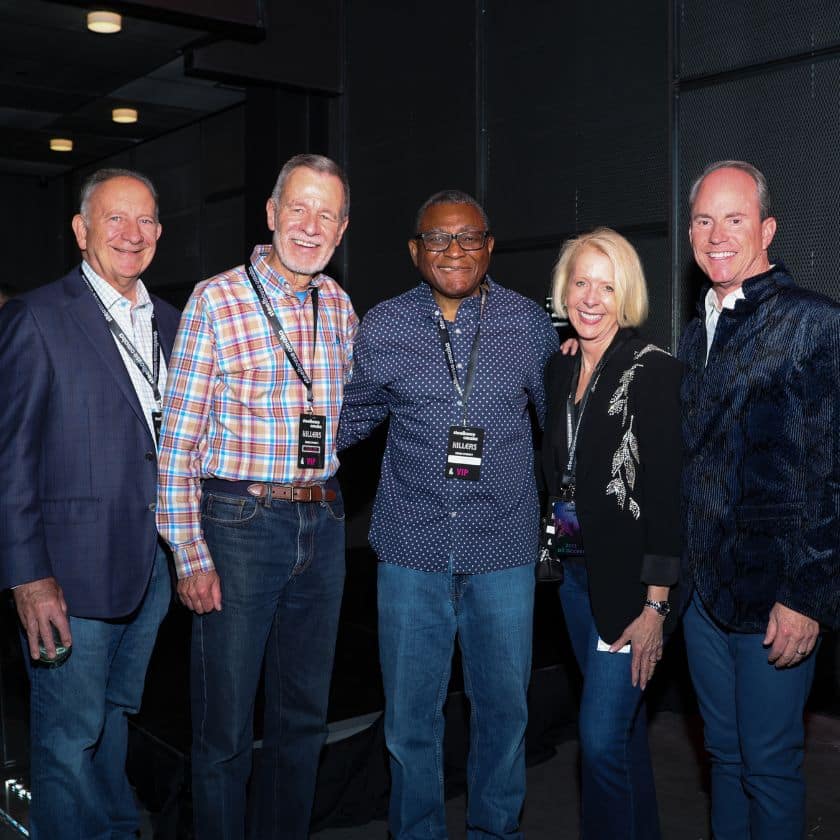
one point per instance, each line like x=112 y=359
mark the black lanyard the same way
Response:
x=446 y=343
x=285 y=343
x=151 y=376
x=572 y=433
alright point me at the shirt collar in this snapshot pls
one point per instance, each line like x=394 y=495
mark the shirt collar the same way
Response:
x=712 y=304
x=109 y=295
x=427 y=302
x=272 y=278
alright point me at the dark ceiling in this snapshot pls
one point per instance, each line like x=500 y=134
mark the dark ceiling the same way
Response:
x=59 y=79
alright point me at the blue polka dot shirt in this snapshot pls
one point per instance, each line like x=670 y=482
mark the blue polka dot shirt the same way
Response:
x=422 y=519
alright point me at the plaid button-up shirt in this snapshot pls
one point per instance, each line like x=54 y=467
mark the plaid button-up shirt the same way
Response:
x=233 y=400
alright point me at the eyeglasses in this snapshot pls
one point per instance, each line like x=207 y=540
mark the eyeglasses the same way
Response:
x=469 y=240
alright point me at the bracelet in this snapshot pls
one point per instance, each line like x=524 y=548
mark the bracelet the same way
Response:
x=661 y=607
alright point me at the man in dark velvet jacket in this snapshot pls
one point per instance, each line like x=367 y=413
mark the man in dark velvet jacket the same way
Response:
x=761 y=491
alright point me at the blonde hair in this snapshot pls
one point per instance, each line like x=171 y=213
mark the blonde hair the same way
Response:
x=630 y=287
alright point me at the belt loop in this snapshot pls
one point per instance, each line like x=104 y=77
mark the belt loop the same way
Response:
x=268 y=495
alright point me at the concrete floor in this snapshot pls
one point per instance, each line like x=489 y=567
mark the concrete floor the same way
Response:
x=551 y=809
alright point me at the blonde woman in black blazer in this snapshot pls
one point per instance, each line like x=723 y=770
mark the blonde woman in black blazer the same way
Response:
x=615 y=404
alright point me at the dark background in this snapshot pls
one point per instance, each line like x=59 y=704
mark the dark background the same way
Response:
x=558 y=116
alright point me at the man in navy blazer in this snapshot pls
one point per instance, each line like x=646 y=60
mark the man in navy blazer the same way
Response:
x=82 y=366
x=761 y=503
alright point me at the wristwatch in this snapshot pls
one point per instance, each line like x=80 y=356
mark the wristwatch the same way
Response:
x=662 y=607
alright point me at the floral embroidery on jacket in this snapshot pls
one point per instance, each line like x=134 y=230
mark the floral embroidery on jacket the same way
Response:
x=626 y=457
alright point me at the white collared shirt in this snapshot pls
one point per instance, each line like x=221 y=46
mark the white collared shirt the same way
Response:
x=136 y=322
x=713 y=310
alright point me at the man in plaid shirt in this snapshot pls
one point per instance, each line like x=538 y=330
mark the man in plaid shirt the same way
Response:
x=250 y=505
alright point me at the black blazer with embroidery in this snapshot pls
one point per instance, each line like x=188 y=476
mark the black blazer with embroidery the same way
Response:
x=629 y=460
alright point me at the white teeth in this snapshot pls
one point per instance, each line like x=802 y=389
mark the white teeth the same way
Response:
x=721 y=255
x=304 y=244
x=591 y=317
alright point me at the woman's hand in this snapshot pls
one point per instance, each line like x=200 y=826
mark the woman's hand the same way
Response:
x=645 y=637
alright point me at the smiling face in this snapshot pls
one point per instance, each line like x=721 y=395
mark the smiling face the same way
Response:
x=591 y=302
x=453 y=274
x=307 y=225
x=118 y=237
x=729 y=239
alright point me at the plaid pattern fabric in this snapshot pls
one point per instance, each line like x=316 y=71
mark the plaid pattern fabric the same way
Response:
x=136 y=323
x=233 y=400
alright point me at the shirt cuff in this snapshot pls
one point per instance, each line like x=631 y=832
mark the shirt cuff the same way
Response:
x=192 y=558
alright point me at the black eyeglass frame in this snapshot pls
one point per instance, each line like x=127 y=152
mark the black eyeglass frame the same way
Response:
x=485 y=234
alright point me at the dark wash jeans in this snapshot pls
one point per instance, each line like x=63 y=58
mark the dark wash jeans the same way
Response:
x=753 y=729
x=420 y=614
x=618 y=797
x=281 y=567
x=79 y=729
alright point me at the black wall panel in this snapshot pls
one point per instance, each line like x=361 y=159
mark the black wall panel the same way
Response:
x=411 y=130
x=784 y=118
x=719 y=35
x=35 y=230
x=577 y=117
x=577 y=136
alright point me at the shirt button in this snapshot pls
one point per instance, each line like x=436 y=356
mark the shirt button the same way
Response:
x=457 y=331
x=459 y=365
x=150 y=456
x=460 y=402
x=152 y=507
x=453 y=513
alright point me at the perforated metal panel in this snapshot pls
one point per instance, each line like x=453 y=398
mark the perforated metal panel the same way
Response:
x=577 y=116
x=721 y=35
x=786 y=121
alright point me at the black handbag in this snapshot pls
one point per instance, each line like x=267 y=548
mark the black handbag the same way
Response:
x=549 y=569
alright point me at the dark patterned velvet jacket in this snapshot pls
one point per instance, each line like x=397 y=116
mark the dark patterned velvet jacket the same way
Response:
x=761 y=434
x=627 y=477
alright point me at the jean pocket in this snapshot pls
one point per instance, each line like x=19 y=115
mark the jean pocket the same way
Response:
x=335 y=509
x=228 y=510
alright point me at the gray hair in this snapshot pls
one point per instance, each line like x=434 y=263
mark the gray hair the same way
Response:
x=449 y=197
x=762 y=190
x=99 y=177
x=317 y=163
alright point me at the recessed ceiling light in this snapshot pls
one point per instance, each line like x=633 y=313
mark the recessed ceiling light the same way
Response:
x=106 y=23
x=124 y=115
x=61 y=144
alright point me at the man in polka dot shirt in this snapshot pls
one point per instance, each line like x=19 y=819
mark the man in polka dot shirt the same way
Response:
x=454 y=364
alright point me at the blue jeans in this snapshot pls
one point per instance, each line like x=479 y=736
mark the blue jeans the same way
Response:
x=618 y=797
x=79 y=731
x=281 y=566
x=753 y=729
x=419 y=616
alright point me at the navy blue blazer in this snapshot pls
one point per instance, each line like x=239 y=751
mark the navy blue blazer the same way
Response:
x=78 y=468
x=761 y=432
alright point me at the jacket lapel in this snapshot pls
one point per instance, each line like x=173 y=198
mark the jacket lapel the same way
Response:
x=85 y=312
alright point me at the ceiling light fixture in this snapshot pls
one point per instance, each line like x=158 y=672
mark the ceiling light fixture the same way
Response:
x=61 y=144
x=124 y=115
x=105 y=23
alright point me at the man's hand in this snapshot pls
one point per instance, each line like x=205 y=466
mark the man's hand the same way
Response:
x=41 y=606
x=201 y=592
x=791 y=636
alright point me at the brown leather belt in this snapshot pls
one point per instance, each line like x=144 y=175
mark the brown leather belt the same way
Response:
x=284 y=492
x=293 y=492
